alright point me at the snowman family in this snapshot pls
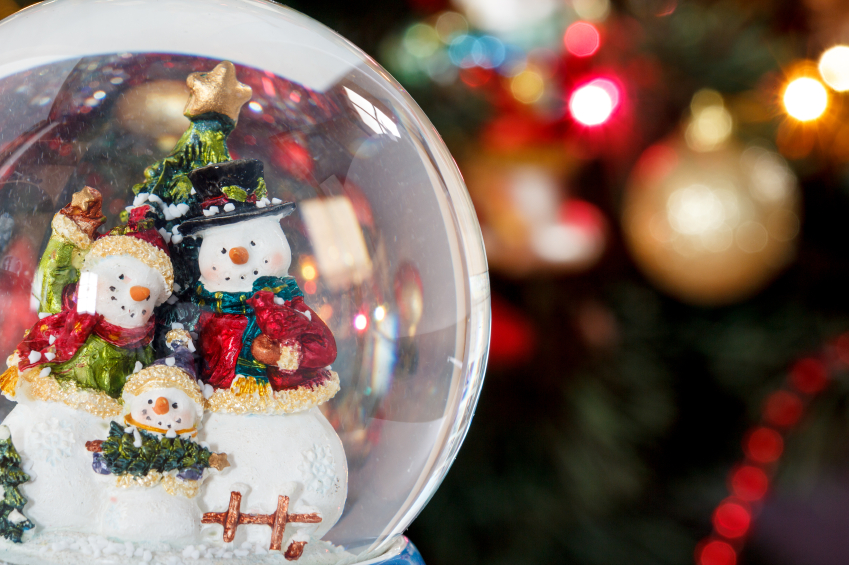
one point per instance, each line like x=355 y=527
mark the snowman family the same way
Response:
x=121 y=438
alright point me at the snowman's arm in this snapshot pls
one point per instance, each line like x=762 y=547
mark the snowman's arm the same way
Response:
x=72 y=233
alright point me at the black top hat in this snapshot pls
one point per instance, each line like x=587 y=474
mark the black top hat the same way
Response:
x=227 y=192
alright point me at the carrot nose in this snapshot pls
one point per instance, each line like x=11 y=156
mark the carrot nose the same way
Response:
x=239 y=255
x=139 y=293
x=161 y=406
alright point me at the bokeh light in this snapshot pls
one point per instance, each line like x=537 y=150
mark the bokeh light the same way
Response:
x=764 y=445
x=717 y=552
x=450 y=25
x=782 y=409
x=528 y=86
x=360 y=322
x=805 y=99
x=749 y=483
x=593 y=103
x=582 y=39
x=731 y=519
x=711 y=124
x=421 y=40
x=834 y=67
x=592 y=10
x=809 y=376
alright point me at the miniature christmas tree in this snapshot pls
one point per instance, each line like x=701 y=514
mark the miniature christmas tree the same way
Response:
x=13 y=523
x=213 y=109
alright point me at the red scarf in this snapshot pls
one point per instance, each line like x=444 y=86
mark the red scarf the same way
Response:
x=70 y=330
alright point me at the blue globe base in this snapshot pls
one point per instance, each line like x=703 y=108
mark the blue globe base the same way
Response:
x=401 y=553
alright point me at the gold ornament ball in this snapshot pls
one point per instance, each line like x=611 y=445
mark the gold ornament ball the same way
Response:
x=711 y=227
x=155 y=110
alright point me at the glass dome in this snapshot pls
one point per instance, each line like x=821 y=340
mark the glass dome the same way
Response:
x=384 y=241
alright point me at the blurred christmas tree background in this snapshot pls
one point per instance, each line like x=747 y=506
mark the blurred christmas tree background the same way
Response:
x=663 y=187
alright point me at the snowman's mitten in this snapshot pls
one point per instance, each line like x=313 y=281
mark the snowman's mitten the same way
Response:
x=219 y=461
x=285 y=356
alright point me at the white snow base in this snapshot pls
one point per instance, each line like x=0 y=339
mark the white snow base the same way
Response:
x=64 y=548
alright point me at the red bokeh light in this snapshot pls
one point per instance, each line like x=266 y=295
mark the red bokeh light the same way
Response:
x=749 y=483
x=732 y=519
x=716 y=552
x=582 y=39
x=764 y=445
x=782 y=409
x=809 y=376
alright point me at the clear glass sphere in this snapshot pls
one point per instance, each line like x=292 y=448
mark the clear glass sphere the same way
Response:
x=385 y=244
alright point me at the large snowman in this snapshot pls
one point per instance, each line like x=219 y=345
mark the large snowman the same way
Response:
x=264 y=357
x=68 y=372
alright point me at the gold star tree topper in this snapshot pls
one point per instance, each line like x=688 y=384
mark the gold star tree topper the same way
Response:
x=217 y=91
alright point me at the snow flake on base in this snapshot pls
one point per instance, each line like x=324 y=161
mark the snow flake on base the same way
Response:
x=52 y=440
x=318 y=469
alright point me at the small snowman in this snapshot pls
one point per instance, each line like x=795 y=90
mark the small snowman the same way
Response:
x=157 y=464
x=69 y=371
x=263 y=351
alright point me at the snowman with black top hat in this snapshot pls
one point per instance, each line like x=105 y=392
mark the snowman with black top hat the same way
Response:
x=264 y=357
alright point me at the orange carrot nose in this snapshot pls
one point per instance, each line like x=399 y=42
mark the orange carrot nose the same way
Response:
x=161 y=406
x=139 y=293
x=239 y=255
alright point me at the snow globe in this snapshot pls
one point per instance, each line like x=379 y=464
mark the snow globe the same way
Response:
x=245 y=302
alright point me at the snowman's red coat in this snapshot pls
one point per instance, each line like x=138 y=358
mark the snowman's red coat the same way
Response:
x=222 y=342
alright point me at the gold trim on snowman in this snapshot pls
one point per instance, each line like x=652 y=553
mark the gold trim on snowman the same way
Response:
x=247 y=396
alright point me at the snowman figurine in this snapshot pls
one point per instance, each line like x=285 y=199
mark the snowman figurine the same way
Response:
x=264 y=352
x=69 y=371
x=157 y=465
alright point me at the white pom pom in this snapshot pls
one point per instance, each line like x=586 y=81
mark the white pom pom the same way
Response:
x=177 y=325
x=229 y=207
x=34 y=356
x=170 y=361
x=51 y=340
x=44 y=372
x=138 y=367
x=5 y=433
x=214 y=210
x=177 y=238
x=50 y=356
x=278 y=300
x=276 y=201
x=43 y=315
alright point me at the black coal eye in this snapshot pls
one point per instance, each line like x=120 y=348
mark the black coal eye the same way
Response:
x=150 y=401
x=174 y=405
x=266 y=260
x=121 y=277
x=254 y=244
x=112 y=288
x=223 y=251
x=256 y=272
